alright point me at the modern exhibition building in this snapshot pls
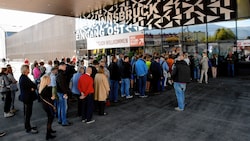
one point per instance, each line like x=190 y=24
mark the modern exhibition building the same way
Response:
x=141 y=26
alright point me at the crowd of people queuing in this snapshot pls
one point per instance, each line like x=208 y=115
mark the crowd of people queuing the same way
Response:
x=100 y=82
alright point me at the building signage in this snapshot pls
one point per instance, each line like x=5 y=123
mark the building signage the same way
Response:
x=243 y=43
x=158 y=14
x=133 y=39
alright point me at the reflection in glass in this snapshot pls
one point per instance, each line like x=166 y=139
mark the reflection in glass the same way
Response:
x=153 y=41
x=243 y=29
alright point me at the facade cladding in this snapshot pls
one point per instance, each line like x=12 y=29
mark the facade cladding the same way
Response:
x=193 y=25
x=47 y=40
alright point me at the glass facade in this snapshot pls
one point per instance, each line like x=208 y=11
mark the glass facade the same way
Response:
x=193 y=28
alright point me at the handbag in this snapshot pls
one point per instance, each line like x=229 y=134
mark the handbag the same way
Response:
x=4 y=89
x=13 y=87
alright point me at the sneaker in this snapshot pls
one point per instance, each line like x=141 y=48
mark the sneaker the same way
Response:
x=137 y=93
x=6 y=115
x=84 y=120
x=178 y=109
x=123 y=95
x=32 y=131
x=2 y=134
x=67 y=124
x=91 y=121
x=13 y=110
x=143 y=96
x=128 y=97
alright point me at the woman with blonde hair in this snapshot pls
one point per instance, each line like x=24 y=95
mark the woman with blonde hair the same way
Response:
x=45 y=92
x=101 y=89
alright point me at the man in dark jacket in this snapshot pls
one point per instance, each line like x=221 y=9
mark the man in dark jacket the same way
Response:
x=156 y=71
x=125 y=74
x=181 y=76
x=115 y=78
x=62 y=92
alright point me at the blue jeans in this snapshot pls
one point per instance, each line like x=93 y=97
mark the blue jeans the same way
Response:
x=197 y=72
x=180 y=94
x=62 y=109
x=230 y=69
x=125 y=86
x=142 y=84
x=114 y=85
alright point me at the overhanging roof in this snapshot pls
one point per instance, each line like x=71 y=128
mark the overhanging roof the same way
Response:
x=72 y=8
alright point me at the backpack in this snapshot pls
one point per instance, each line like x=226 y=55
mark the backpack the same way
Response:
x=3 y=87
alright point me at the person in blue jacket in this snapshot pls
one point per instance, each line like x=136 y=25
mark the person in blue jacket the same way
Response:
x=141 y=72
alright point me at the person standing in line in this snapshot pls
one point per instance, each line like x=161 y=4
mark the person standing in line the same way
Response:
x=48 y=67
x=157 y=75
x=102 y=89
x=141 y=72
x=13 y=88
x=56 y=62
x=115 y=79
x=214 y=62
x=27 y=96
x=204 y=67
x=42 y=68
x=86 y=88
x=165 y=70
x=134 y=79
x=62 y=93
x=149 y=75
x=120 y=61
x=125 y=75
x=230 y=64
x=106 y=71
x=196 y=67
x=54 y=72
x=70 y=70
x=75 y=91
x=47 y=99
x=180 y=76
x=36 y=73
x=5 y=90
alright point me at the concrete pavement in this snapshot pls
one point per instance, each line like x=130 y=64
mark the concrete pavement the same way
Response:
x=217 y=111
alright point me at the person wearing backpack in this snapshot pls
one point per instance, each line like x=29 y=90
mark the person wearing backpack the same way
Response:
x=5 y=90
x=180 y=76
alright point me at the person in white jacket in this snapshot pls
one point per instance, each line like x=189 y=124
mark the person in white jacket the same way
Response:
x=204 y=67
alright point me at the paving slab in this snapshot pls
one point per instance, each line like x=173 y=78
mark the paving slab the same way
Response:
x=217 y=111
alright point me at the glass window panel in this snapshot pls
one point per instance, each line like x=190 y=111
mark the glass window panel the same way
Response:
x=153 y=41
x=243 y=29
x=171 y=39
x=227 y=31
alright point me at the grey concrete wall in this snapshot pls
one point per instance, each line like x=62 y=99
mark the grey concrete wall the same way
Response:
x=50 y=39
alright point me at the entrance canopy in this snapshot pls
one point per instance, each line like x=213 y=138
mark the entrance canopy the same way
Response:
x=72 y=8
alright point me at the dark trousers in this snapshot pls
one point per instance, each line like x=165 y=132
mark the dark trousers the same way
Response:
x=101 y=107
x=87 y=107
x=7 y=101
x=154 y=83
x=79 y=105
x=50 y=115
x=27 y=115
